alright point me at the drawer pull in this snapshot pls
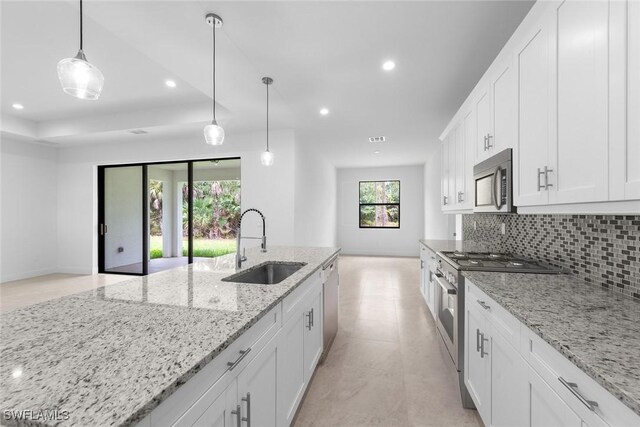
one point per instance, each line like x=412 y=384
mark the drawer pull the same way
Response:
x=477 y=340
x=573 y=388
x=484 y=305
x=243 y=354
x=482 y=341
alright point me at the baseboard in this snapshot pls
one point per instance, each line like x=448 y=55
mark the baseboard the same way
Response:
x=74 y=270
x=27 y=274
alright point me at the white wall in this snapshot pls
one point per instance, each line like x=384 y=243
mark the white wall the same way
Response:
x=436 y=224
x=270 y=189
x=394 y=242
x=315 y=199
x=29 y=209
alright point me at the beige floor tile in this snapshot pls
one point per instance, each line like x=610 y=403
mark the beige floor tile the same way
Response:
x=386 y=367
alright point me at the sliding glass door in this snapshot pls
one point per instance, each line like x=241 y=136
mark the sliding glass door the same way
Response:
x=157 y=216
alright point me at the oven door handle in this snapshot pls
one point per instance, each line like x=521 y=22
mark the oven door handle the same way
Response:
x=497 y=180
x=444 y=285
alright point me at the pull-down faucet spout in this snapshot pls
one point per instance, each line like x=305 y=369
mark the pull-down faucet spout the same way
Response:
x=263 y=246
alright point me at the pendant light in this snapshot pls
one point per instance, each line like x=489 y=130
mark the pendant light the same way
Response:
x=266 y=158
x=213 y=133
x=78 y=77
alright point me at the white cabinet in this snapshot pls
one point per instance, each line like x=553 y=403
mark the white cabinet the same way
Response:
x=427 y=269
x=496 y=114
x=477 y=375
x=300 y=350
x=546 y=408
x=313 y=334
x=515 y=378
x=535 y=60
x=457 y=165
x=257 y=388
x=494 y=369
x=625 y=100
x=221 y=413
x=579 y=159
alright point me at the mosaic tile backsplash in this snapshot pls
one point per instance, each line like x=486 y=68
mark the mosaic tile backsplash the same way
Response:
x=600 y=249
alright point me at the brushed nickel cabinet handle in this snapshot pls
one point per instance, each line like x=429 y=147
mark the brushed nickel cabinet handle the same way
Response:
x=540 y=187
x=484 y=305
x=573 y=388
x=489 y=136
x=477 y=340
x=546 y=178
x=236 y=412
x=482 y=352
x=247 y=419
x=243 y=354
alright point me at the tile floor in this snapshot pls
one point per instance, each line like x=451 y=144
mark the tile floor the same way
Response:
x=386 y=367
x=21 y=293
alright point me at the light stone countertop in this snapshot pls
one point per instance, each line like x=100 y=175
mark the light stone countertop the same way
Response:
x=111 y=355
x=456 y=245
x=596 y=329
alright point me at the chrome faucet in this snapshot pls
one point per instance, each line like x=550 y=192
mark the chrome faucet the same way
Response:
x=263 y=246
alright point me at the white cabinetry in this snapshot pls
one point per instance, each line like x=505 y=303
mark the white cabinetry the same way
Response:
x=579 y=158
x=300 y=349
x=427 y=269
x=457 y=165
x=632 y=153
x=535 y=60
x=261 y=377
x=517 y=379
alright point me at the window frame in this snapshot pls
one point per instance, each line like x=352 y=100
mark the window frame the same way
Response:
x=360 y=205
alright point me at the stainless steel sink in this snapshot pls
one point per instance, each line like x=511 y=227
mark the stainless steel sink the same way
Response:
x=267 y=273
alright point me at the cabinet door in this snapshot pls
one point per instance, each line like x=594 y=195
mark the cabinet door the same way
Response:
x=483 y=125
x=545 y=407
x=219 y=413
x=461 y=166
x=579 y=159
x=632 y=152
x=257 y=387
x=445 y=174
x=508 y=381
x=291 y=379
x=469 y=127
x=313 y=335
x=535 y=62
x=477 y=364
x=505 y=110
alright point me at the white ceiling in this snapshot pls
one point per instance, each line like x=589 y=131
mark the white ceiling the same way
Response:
x=320 y=54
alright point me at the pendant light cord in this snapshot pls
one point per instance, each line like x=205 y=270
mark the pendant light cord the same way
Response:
x=213 y=106
x=267 y=117
x=80 y=24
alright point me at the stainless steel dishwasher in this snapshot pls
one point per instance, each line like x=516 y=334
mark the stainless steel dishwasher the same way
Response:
x=330 y=299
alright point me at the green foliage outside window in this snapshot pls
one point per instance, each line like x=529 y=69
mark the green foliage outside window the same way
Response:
x=379 y=204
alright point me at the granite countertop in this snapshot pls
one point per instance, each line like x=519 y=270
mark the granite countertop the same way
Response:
x=596 y=329
x=111 y=355
x=456 y=245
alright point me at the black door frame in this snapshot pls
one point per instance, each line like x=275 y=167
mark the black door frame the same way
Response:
x=102 y=227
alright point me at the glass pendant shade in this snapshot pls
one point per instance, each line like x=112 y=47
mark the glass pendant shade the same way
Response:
x=266 y=158
x=79 y=78
x=214 y=134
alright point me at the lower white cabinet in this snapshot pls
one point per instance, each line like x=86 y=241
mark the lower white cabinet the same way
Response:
x=515 y=378
x=427 y=271
x=261 y=377
x=300 y=352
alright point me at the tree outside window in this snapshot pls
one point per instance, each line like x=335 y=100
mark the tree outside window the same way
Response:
x=379 y=204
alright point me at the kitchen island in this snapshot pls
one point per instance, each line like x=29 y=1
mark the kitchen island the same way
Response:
x=112 y=355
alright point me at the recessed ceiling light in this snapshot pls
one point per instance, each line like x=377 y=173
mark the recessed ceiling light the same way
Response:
x=376 y=152
x=389 y=65
x=324 y=111
x=170 y=83
x=18 y=106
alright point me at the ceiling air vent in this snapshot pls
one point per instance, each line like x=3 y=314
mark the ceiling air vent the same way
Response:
x=138 y=131
x=376 y=139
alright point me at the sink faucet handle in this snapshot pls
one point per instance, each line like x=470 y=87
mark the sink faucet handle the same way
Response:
x=244 y=254
x=263 y=246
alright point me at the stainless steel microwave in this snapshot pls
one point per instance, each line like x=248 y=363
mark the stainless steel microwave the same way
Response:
x=493 y=180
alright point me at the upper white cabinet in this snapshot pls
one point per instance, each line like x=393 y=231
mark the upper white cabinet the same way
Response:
x=535 y=60
x=457 y=163
x=565 y=95
x=579 y=159
x=496 y=114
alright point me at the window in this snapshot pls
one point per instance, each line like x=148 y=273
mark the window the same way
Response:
x=379 y=204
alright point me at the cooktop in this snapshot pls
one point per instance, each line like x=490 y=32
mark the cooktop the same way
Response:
x=500 y=262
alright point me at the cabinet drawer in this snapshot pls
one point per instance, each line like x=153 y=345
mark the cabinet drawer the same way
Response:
x=292 y=301
x=204 y=386
x=554 y=368
x=501 y=320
